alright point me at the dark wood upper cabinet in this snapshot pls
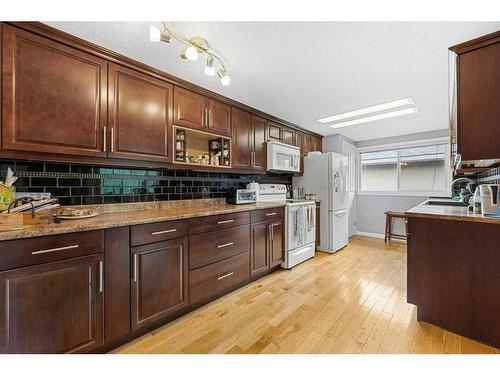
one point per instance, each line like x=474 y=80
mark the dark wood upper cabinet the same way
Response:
x=249 y=141
x=274 y=132
x=288 y=136
x=139 y=115
x=52 y=308
x=259 y=143
x=299 y=139
x=189 y=109
x=219 y=117
x=242 y=139
x=159 y=280
x=53 y=96
x=478 y=109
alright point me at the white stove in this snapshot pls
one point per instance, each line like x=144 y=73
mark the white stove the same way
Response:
x=300 y=224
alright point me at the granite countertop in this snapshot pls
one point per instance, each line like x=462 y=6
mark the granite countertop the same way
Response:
x=123 y=214
x=449 y=213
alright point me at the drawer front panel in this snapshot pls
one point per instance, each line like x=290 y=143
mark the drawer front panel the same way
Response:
x=211 y=247
x=267 y=214
x=213 y=279
x=156 y=232
x=38 y=250
x=216 y=222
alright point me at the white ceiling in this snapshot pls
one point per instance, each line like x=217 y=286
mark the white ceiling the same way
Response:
x=301 y=71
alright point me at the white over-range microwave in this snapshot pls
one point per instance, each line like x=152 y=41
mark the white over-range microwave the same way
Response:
x=282 y=157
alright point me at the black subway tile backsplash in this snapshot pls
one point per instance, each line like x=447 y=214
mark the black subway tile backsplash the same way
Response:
x=87 y=184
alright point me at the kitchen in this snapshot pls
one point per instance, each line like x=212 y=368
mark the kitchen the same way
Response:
x=155 y=200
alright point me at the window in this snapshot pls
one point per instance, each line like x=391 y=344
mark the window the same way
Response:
x=419 y=169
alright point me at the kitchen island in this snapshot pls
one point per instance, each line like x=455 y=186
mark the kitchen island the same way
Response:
x=454 y=270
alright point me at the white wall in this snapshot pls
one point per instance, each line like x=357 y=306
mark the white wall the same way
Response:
x=370 y=210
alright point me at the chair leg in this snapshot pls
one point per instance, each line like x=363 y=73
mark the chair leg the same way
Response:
x=386 y=227
x=390 y=229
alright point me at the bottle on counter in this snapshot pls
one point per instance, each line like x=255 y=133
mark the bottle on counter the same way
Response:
x=477 y=201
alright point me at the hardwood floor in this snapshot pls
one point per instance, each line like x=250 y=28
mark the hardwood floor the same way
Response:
x=353 y=301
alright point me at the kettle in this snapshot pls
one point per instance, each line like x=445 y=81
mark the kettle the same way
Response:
x=490 y=197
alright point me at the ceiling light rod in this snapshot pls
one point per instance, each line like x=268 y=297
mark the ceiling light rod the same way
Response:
x=194 y=47
x=369 y=110
x=376 y=117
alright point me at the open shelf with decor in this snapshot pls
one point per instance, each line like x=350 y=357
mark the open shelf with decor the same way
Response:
x=194 y=147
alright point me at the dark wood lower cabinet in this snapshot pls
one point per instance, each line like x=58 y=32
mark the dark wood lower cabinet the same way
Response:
x=52 y=308
x=159 y=280
x=277 y=248
x=267 y=246
x=259 y=248
x=76 y=302
x=453 y=276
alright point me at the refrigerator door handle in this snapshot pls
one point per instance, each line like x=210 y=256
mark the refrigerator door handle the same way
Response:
x=339 y=213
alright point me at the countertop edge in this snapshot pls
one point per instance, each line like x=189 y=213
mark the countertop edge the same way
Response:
x=83 y=226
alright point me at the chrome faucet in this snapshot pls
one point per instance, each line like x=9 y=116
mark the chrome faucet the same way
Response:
x=461 y=179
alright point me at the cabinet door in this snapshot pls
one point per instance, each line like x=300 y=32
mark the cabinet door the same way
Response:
x=299 y=139
x=273 y=132
x=53 y=96
x=316 y=146
x=242 y=139
x=259 y=143
x=288 y=136
x=139 y=115
x=478 y=109
x=189 y=109
x=277 y=253
x=219 y=118
x=53 y=308
x=260 y=248
x=159 y=280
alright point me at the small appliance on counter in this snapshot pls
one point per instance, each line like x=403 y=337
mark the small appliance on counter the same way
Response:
x=241 y=196
x=272 y=193
x=490 y=196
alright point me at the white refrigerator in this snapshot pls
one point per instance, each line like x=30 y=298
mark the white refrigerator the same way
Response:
x=326 y=176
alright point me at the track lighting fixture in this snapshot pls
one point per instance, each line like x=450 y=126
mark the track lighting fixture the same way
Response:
x=192 y=49
x=209 y=67
x=156 y=35
x=224 y=78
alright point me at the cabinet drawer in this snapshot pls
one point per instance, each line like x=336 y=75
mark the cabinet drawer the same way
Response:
x=211 y=247
x=216 y=222
x=156 y=232
x=213 y=279
x=267 y=214
x=38 y=250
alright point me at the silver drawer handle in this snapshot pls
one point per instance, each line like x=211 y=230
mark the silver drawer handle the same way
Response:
x=224 y=245
x=271 y=214
x=101 y=276
x=225 y=221
x=54 y=249
x=224 y=276
x=163 y=232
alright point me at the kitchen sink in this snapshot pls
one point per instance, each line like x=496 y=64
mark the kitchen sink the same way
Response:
x=446 y=203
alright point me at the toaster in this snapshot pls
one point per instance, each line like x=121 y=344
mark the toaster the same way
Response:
x=241 y=196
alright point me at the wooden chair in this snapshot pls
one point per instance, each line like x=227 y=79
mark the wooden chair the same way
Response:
x=389 y=215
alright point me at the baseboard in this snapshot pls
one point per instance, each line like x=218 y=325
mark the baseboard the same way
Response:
x=378 y=235
x=369 y=234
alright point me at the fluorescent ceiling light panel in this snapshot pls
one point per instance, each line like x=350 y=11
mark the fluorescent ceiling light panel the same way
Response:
x=401 y=112
x=373 y=109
